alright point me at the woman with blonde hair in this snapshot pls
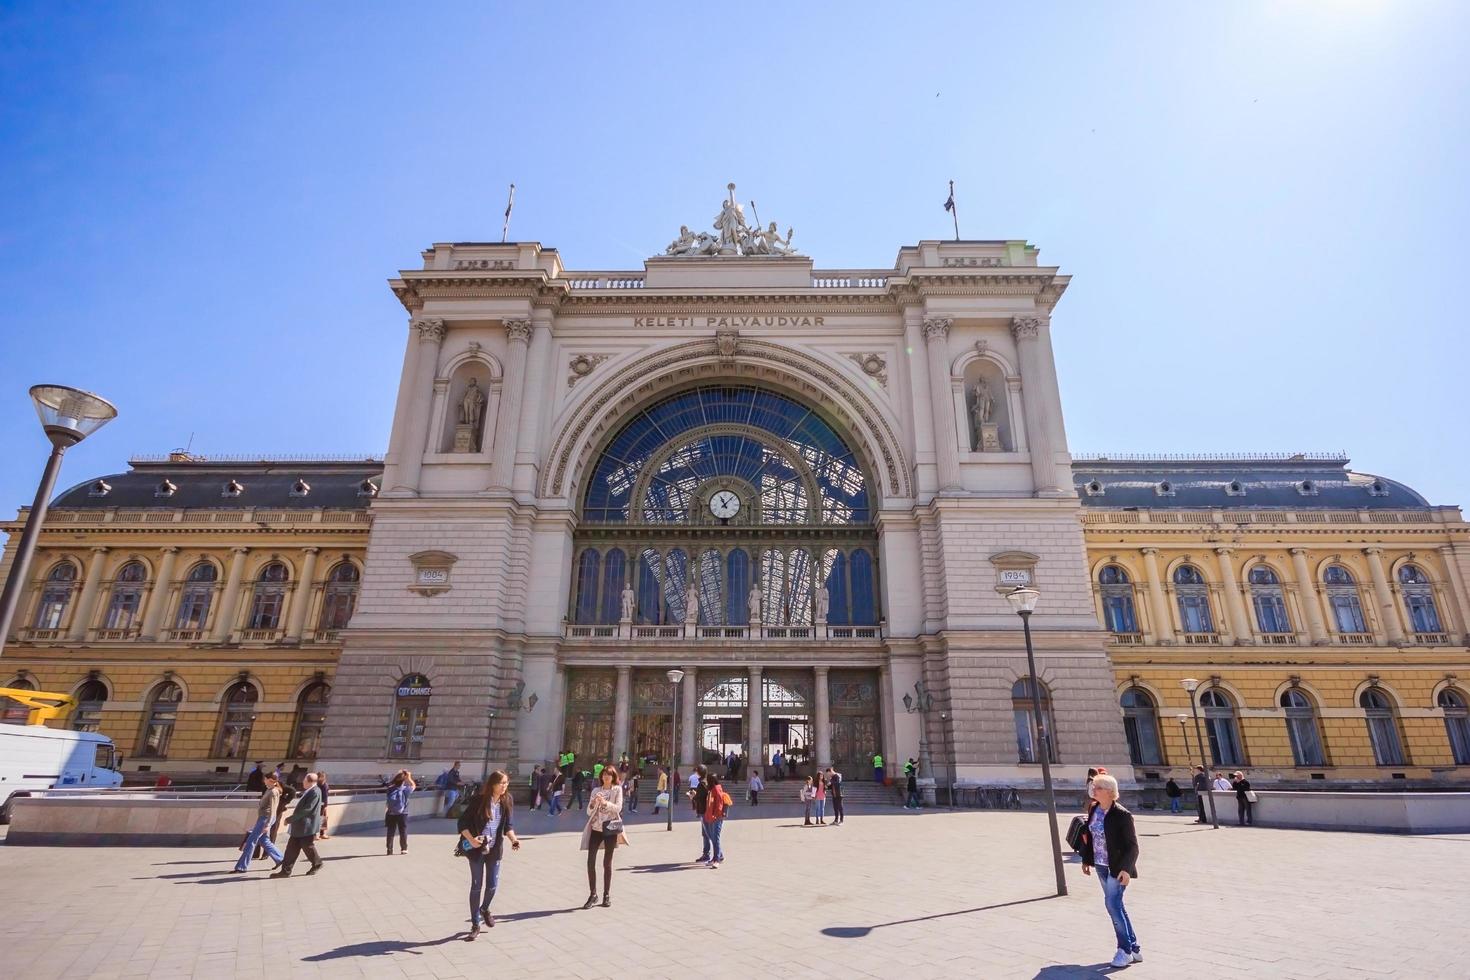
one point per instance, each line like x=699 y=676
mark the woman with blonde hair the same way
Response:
x=484 y=827
x=1110 y=845
x=604 y=831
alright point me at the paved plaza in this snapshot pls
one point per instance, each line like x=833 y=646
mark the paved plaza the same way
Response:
x=889 y=894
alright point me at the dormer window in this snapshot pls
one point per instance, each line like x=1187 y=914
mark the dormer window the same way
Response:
x=1307 y=488
x=99 y=488
x=1094 y=489
x=233 y=489
x=1235 y=489
x=1164 y=489
x=165 y=488
x=300 y=488
x=1378 y=489
x=367 y=488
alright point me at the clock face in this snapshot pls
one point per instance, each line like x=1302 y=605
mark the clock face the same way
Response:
x=724 y=505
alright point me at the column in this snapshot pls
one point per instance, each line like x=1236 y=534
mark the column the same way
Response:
x=224 y=618
x=621 y=709
x=1311 y=603
x=513 y=389
x=537 y=361
x=1034 y=402
x=1158 y=604
x=420 y=403
x=823 y=711
x=889 y=739
x=158 y=597
x=755 y=739
x=301 y=596
x=87 y=602
x=946 y=450
x=918 y=384
x=1240 y=623
x=1388 y=610
x=1458 y=596
x=689 y=713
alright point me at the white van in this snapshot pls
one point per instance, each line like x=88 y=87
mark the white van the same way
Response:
x=35 y=757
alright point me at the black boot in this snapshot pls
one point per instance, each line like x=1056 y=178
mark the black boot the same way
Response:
x=591 y=901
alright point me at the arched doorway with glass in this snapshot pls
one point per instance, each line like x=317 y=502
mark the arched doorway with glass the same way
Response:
x=722 y=711
x=651 y=717
x=788 y=710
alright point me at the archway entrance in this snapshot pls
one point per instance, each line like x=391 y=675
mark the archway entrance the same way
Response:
x=790 y=725
x=723 y=707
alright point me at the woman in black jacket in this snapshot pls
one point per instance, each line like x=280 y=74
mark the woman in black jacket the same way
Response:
x=483 y=829
x=1243 y=803
x=1111 y=846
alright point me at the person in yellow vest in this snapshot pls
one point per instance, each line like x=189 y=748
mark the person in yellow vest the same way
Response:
x=877 y=767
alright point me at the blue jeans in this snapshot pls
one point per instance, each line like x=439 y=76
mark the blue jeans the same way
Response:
x=555 y=806
x=258 y=836
x=450 y=795
x=704 y=839
x=712 y=837
x=1174 y=804
x=1113 y=902
x=477 y=882
x=914 y=800
x=822 y=809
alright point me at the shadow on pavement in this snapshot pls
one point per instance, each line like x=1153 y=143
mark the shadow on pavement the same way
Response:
x=521 y=916
x=220 y=874
x=858 y=932
x=644 y=869
x=379 y=947
x=1059 y=971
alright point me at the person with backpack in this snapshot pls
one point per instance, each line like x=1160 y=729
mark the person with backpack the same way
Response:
x=1173 y=792
x=717 y=802
x=484 y=827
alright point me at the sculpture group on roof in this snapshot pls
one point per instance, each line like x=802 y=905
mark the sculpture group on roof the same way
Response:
x=735 y=236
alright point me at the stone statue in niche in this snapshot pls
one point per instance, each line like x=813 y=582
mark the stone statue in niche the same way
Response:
x=691 y=607
x=984 y=431
x=753 y=604
x=824 y=604
x=471 y=414
x=630 y=600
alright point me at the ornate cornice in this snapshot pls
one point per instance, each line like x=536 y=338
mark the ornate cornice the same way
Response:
x=1026 y=327
x=430 y=328
x=937 y=327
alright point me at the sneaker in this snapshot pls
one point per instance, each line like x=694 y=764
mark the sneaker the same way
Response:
x=1136 y=956
x=710 y=864
x=1121 y=959
x=473 y=933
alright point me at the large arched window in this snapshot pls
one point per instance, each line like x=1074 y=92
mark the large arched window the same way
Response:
x=1342 y=597
x=158 y=721
x=1419 y=600
x=1456 y=724
x=340 y=599
x=1383 y=727
x=1193 y=596
x=127 y=597
x=236 y=718
x=195 y=599
x=87 y=715
x=269 y=598
x=410 y=717
x=311 y=715
x=1269 y=603
x=56 y=594
x=1222 y=728
x=1141 y=727
x=1028 y=735
x=13 y=712
x=1117 y=600
x=1301 y=728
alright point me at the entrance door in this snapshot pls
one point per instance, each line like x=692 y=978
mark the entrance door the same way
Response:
x=856 y=720
x=854 y=743
x=723 y=707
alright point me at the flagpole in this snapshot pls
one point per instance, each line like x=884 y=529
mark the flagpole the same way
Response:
x=954 y=211
x=510 y=203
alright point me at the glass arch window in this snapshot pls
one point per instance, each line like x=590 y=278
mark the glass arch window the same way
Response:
x=311 y=716
x=339 y=599
x=1222 y=728
x=13 y=712
x=1117 y=600
x=410 y=717
x=196 y=597
x=1028 y=735
x=1456 y=724
x=158 y=722
x=269 y=598
x=87 y=716
x=1419 y=600
x=1193 y=596
x=56 y=595
x=1301 y=728
x=1268 y=601
x=1141 y=727
x=1383 y=727
x=1343 y=599
x=235 y=720
x=127 y=596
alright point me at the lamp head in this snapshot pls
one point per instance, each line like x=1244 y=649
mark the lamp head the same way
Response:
x=68 y=414
x=675 y=676
x=1023 y=600
x=1182 y=718
x=908 y=703
x=1190 y=684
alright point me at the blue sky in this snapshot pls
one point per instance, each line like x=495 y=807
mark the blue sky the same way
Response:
x=1263 y=204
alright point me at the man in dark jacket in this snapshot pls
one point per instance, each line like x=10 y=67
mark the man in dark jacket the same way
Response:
x=1111 y=846
x=305 y=823
x=1201 y=787
x=255 y=782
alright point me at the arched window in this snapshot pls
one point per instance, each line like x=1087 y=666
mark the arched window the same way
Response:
x=585 y=611
x=236 y=717
x=1456 y=724
x=311 y=715
x=1419 y=600
x=1269 y=603
x=1222 y=728
x=13 y=712
x=737 y=587
x=195 y=598
x=269 y=598
x=61 y=581
x=87 y=716
x=340 y=597
x=1028 y=735
x=127 y=597
x=158 y=722
x=1342 y=597
x=410 y=717
x=1117 y=600
x=1301 y=728
x=1141 y=726
x=1193 y=596
x=1383 y=727
x=614 y=575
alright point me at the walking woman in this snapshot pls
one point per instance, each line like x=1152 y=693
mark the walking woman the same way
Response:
x=1244 y=799
x=264 y=813
x=484 y=827
x=604 y=831
x=1111 y=847
x=714 y=819
x=396 y=817
x=819 y=788
x=808 y=797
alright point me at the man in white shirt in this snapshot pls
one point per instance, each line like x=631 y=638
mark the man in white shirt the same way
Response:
x=1221 y=782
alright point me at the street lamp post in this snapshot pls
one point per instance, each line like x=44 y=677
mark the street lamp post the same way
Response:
x=1184 y=734
x=68 y=415
x=245 y=749
x=922 y=704
x=1191 y=685
x=489 y=731
x=1023 y=601
x=675 y=677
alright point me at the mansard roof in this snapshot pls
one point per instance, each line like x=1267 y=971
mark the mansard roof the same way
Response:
x=1228 y=482
x=180 y=480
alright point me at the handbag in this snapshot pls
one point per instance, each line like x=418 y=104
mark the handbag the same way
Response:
x=662 y=799
x=613 y=826
x=1077 y=834
x=1250 y=796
